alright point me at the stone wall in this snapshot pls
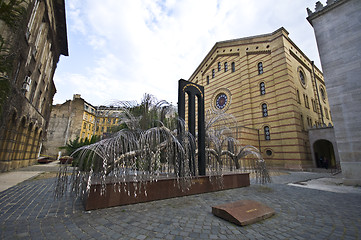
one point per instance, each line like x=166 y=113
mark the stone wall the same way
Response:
x=337 y=29
x=64 y=125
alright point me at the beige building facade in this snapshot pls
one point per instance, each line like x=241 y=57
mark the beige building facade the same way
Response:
x=30 y=49
x=77 y=118
x=274 y=91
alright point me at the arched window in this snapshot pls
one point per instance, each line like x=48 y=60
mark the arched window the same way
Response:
x=219 y=66
x=225 y=67
x=262 y=88
x=302 y=122
x=264 y=110
x=260 y=68
x=305 y=97
x=308 y=121
x=298 y=96
x=323 y=94
x=213 y=73
x=267 y=135
x=233 y=67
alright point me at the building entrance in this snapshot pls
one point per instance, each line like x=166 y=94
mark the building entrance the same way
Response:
x=324 y=154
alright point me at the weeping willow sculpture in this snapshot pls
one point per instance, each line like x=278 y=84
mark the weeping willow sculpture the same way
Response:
x=146 y=149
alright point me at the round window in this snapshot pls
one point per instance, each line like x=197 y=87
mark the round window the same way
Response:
x=302 y=77
x=269 y=152
x=221 y=100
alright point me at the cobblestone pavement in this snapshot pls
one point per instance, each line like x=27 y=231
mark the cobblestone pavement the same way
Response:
x=29 y=211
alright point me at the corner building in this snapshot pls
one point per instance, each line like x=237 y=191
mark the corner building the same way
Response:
x=273 y=90
x=31 y=44
x=77 y=118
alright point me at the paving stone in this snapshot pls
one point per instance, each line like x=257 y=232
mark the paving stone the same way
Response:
x=29 y=210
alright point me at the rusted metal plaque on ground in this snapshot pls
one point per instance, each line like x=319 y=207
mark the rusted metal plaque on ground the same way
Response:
x=243 y=212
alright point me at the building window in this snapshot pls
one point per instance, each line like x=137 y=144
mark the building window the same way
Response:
x=313 y=104
x=262 y=88
x=269 y=152
x=264 y=110
x=308 y=121
x=302 y=77
x=260 y=68
x=33 y=90
x=221 y=101
x=233 y=67
x=305 y=97
x=219 y=66
x=267 y=135
x=84 y=127
x=323 y=94
x=225 y=67
x=302 y=122
x=298 y=96
x=213 y=73
x=207 y=80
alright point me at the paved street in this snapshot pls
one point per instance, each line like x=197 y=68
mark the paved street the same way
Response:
x=29 y=211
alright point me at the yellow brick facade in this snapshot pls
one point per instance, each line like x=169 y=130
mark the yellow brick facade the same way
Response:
x=97 y=120
x=88 y=123
x=107 y=117
x=241 y=69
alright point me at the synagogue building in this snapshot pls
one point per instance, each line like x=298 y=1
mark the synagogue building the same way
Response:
x=274 y=91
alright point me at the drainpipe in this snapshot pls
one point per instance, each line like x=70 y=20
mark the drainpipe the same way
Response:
x=318 y=95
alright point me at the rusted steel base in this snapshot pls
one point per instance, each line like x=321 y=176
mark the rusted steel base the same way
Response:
x=243 y=212
x=162 y=189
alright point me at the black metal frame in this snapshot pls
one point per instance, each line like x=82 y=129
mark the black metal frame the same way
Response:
x=194 y=90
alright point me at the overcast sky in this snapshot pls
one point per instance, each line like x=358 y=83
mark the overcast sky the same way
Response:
x=121 y=49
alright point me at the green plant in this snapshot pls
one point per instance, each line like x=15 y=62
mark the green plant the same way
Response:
x=73 y=145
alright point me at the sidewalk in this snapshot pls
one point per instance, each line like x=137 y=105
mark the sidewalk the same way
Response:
x=14 y=177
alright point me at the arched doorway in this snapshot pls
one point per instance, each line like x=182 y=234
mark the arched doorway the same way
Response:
x=324 y=154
